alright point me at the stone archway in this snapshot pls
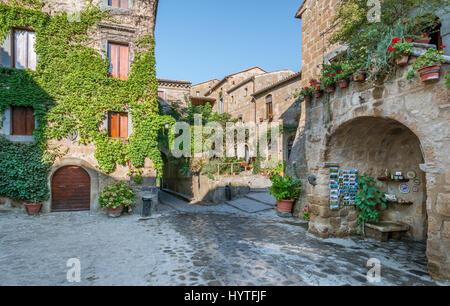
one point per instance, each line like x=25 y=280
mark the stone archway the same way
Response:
x=373 y=145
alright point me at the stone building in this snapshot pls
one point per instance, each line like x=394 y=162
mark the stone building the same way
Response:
x=399 y=125
x=173 y=93
x=75 y=181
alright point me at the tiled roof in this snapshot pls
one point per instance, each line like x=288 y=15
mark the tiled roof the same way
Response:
x=227 y=77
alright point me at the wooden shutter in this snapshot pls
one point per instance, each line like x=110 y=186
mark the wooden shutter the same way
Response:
x=118 y=59
x=23 y=122
x=24 y=53
x=118 y=125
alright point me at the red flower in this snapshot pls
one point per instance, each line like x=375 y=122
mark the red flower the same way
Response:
x=318 y=87
x=329 y=74
x=443 y=46
x=334 y=74
x=307 y=88
x=395 y=40
x=405 y=22
x=390 y=49
x=424 y=35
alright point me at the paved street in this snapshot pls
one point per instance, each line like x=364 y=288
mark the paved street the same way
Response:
x=194 y=245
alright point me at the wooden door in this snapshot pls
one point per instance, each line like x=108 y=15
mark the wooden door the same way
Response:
x=71 y=189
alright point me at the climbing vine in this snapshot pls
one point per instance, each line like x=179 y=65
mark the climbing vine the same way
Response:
x=71 y=90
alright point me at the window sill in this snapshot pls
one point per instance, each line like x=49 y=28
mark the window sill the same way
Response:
x=20 y=138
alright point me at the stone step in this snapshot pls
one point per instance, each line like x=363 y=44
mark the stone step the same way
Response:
x=249 y=205
x=262 y=197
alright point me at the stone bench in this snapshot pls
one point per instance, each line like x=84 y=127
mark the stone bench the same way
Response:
x=385 y=230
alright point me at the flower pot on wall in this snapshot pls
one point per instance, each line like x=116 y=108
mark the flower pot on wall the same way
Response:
x=285 y=205
x=33 y=208
x=423 y=40
x=430 y=73
x=114 y=212
x=330 y=89
x=360 y=77
x=308 y=98
x=318 y=94
x=343 y=83
x=402 y=61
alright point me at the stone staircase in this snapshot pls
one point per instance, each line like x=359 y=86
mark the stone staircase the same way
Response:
x=257 y=200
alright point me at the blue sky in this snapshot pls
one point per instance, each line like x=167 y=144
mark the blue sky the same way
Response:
x=198 y=40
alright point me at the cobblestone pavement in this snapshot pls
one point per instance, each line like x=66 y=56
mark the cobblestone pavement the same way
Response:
x=199 y=247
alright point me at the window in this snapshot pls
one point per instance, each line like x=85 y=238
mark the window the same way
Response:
x=221 y=108
x=232 y=99
x=119 y=60
x=22 y=121
x=118 y=3
x=197 y=93
x=246 y=92
x=269 y=107
x=22 y=49
x=162 y=94
x=118 y=125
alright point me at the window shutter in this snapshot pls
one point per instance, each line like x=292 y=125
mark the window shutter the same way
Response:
x=20 y=49
x=5 y=51
x=115 y=3
x=123 y=129
x=114 y=125
x=123 y=65
x=118 y=125
x=118 y=59
x=32 y=57
x=23 y=121
x=124 y=4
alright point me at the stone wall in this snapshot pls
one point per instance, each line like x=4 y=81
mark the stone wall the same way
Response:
x=127 y=26
x=317 y=18
x=400 y=125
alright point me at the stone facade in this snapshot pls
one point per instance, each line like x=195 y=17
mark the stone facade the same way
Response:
x=398 y=125
x=127 y=26
x=317 y=19
x=173 y=93
x=202 y=88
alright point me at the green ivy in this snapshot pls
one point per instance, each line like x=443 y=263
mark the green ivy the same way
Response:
x=71 y=90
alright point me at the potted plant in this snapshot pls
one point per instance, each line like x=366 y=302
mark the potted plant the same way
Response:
x=306 y=93
x=400 y=51
x=342 y=78
x=329 y=74
x=423 y=39
x=306 y=214
x=33 y=207
x=286 y=190
x=428 y=65
x=115 y=197
x=359 y=76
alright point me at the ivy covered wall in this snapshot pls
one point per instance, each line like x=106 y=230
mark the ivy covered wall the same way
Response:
x=71 y=91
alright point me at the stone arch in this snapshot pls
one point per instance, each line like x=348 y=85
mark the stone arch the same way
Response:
x=373 y=145
x=94 y=176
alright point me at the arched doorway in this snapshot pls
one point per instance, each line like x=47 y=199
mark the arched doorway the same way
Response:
x=375 y=145
x=71 y=189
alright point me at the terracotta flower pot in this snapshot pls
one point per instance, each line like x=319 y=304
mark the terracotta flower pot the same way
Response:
x=361 y=77
x=402 y=61
x=424 y=40
x=343 y=83
x=318 y=94
x=234 y=173
x=308 y=98
x=33 y=208
x=430 y=73
x=330 y=89
x=114 y=212
x=285 y=205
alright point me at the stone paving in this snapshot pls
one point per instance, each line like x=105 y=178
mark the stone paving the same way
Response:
x=194 y=245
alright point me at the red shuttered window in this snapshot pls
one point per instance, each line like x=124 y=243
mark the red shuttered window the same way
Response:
x=118 y=125
x=23 y=122
x=118 y=60
x=118 y=3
